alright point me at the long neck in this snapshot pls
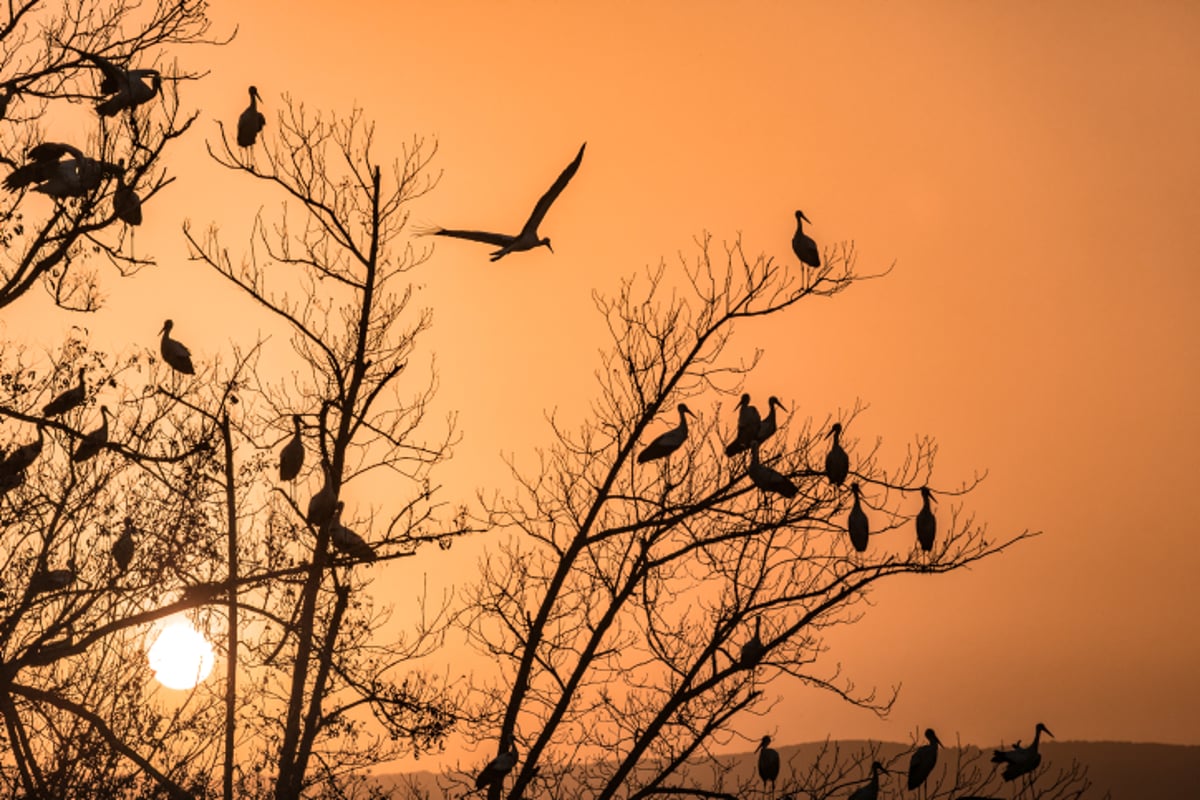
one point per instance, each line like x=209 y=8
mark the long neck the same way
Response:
x=1037 y=734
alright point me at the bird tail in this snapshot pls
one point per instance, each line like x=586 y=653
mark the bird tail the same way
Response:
x=111 y=106
x=999 y=757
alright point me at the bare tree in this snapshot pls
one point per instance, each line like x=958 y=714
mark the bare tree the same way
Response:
x=337 y=281
x=276 y=572
x=75 y=198
x=642 y=610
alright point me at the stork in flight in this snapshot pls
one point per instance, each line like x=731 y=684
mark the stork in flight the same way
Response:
x=528 y=238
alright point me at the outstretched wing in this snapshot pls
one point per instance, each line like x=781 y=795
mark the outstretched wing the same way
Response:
x=114 y=76
x=543 y=205
x=497 y=239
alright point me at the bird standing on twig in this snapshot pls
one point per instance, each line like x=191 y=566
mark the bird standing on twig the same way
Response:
x=251 y=121
x=669 y=442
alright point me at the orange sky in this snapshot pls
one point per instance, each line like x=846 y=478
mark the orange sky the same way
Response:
x=1033 y=169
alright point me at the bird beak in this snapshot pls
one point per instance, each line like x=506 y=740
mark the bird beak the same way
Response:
x=806 y=219
x=548 y=247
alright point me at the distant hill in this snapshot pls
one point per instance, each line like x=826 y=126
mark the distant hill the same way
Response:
x=1127 y=770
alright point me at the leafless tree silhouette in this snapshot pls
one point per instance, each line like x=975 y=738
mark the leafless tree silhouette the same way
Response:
x=640 y=611
x=312 y=690
x=50 y=81
x=353 y=333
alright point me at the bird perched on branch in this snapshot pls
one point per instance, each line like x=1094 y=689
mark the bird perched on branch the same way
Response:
x=754 y=649
x=291 y=457
x=803 y=246
x=94 y=441
x=321 y=505
x=768 y=479
x=127 y=206
x=122 y=549
x=123 y=88
x=923 y=760
x=768 y=762
x=669 y=442
x=57 y=176
x=498 y=767
x=926 y=521
x=748 y=427
x=837 y=462
x=870 y=790
x=1021 y=760
x=49 y=580
x=528 y=238
x=67 y=399
x=175 y=352
x=857 y=524
x=251 y=122
x=347 y=540
x=21 y=458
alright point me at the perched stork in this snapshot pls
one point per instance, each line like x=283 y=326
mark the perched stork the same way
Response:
x=127 y=206
x=347 y=540
x=122 y=549
x=291 y=457
x=8 y=90
x=668 y=442
x=57 y=176
x=769 y=424
x=857 y=525
x=321 y=505
x=123 y=88
x=50 y=580
x=251 y=122
x=837 y=463
x=175 y=352
x=802 y=245
x=67 y=399
x=768 y=763
x=748 y=427
x=498 y=767
x=754 y=649
x=768 y=479
x=21 y=458
x=869 y=790
x=926 y=521
x=528 y=238
x=923 y=760
x=1021 y=760
x=94 y=441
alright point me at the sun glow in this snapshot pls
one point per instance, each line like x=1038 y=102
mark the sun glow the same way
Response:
x=180 y=655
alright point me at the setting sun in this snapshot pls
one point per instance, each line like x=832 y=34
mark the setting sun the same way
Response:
x=180 y=656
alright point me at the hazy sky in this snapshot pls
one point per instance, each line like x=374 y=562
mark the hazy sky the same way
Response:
x=1033 y=170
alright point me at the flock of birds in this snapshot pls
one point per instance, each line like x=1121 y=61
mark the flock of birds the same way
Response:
x=1018 y=761
x=322 y=508
x=753 y=430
